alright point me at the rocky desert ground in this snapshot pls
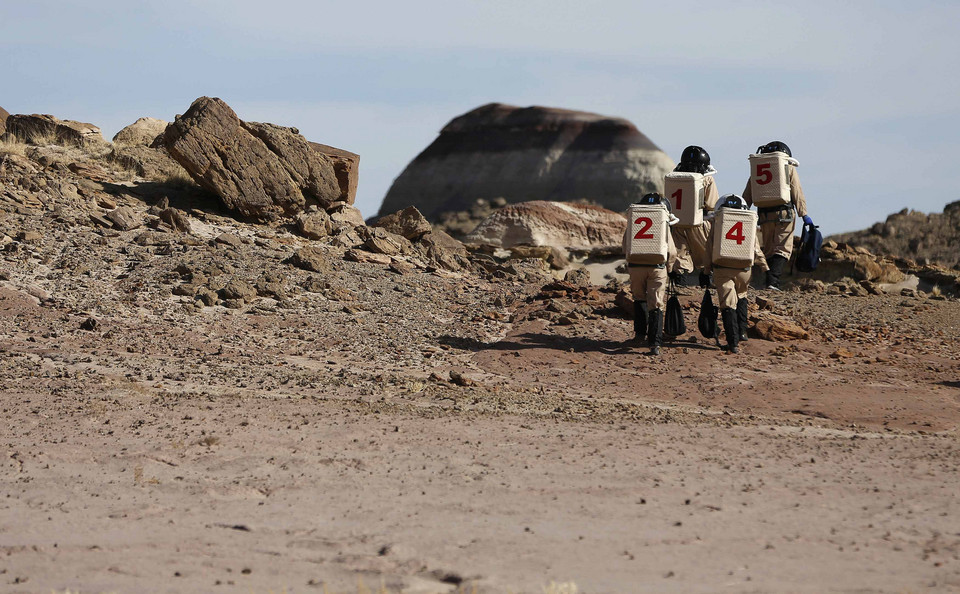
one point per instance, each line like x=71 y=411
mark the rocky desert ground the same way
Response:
x=196 y=403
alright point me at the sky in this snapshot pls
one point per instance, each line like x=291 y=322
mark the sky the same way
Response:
x=866 y=94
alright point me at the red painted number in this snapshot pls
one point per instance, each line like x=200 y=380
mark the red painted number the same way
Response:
x=679 y=196
x=736 y=233
x=764 y=176
x=645 y=223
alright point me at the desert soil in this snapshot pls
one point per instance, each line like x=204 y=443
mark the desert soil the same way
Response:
x=431 y=432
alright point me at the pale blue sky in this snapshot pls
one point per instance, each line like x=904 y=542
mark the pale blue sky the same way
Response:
x=865 y=93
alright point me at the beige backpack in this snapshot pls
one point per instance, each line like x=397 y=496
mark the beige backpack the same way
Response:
x=686 y=193
x=647 y=228
x=770 y=179
x=734 y=236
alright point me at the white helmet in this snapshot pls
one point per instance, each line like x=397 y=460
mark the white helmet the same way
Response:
x=732 y=201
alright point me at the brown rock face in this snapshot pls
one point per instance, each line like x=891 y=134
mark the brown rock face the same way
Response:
x=43 y=128
x=4 y=114
x=347 y=167
x=533 y=153
x=259 y=170
x=557 y=224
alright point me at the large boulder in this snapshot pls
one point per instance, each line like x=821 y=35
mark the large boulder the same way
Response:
x=557 y=224
x=47 y=129
x=259 y=170
x=533 y=153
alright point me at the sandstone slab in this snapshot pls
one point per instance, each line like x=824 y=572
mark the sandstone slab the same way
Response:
x=557 y=224
x=258 y=170
x=48 y=129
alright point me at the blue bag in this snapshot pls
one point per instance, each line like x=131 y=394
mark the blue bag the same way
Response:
x=808 y=256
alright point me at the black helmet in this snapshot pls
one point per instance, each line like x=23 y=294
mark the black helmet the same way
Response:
x=775 y=146
x=693 y=160
x=651 y=198
x=654 y=198
x=732 y=201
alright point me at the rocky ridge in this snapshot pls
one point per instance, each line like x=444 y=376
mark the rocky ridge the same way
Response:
x=927 y=239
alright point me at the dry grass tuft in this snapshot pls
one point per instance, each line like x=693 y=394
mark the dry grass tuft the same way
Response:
x=13 y=147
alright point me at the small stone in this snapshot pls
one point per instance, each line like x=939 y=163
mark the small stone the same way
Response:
x=314 y=225
x=841 y=353
x=207 y=297
x=312 y=259
x=457 y=378
x=29 y=236
x=400 y=267
x=123 y=218
x=101 y=221
x=176 y=218
x=105 y=201
x=362 y=256
x=90 y=324
x=238 y=290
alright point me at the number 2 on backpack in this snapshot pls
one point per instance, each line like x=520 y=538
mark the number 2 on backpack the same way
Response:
x=645 y=224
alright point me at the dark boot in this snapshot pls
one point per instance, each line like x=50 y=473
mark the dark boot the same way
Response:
x=776 y=264
x=655 y=331
x=639 y=321
x=729 y=317
x=742 y=322
x=706 y=280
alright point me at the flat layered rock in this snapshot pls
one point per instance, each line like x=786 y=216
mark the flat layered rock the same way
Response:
x=45 y=128
x=533 y=153
x=542 y=223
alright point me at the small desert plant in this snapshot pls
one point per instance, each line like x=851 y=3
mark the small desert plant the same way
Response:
x=178 y=178
x=936 y=291
x=13 y=147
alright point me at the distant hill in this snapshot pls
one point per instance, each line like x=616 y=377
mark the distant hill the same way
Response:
x=926 y=238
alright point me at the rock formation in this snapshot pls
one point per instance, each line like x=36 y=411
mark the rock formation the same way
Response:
x=347 y=167
x=38 y=128
x=142 y=132
x=139 y=148
x=3 y=119
x=533 y=153
x=556 y=224
x=259 y=170
x=926 y=238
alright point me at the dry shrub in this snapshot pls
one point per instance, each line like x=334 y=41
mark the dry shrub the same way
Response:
x=13 y=147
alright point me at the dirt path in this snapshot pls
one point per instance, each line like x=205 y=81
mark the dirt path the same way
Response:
x=564 y=457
